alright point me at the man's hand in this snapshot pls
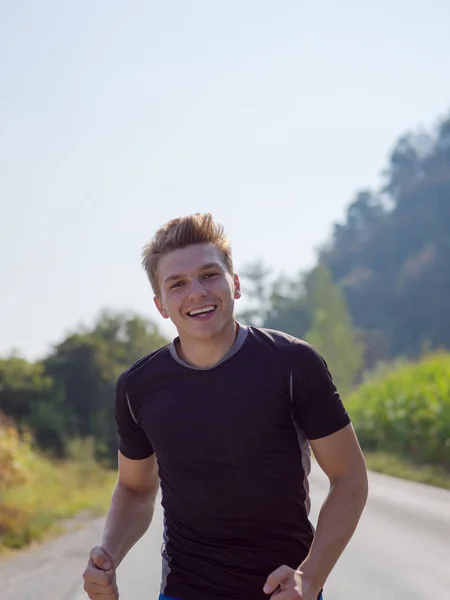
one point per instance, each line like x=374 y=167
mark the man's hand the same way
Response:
x=100 y=575
x=291 y=584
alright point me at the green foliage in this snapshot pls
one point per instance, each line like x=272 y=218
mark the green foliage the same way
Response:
x=85 y=367
x=407 y=411
x=21 y=384
x=331 y=332
x=29 y=396
x=17 y=458
x=276 y=303
x=309 y=307
x=289 y=309
x=68 y=397
x=35 y=492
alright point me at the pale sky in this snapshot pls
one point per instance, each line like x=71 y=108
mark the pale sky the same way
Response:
x=116 y=116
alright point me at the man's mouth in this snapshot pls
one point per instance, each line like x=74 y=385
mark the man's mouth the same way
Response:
x=203 y=312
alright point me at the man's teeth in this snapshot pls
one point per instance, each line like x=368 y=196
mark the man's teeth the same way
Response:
x=201 y=310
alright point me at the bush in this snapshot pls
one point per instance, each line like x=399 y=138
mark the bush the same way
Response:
x=407 y=411
x=16 y=458
x=35 y=492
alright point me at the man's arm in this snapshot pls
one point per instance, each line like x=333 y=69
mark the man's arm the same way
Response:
x=132 y=505
x=319 y=412
x=340 y=457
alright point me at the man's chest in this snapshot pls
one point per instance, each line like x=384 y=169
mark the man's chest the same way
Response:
x=224 y=420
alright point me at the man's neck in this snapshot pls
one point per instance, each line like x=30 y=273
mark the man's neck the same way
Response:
x=206 y=353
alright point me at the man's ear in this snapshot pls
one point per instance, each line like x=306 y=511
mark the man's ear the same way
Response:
x=237 y=287
x=160 y=306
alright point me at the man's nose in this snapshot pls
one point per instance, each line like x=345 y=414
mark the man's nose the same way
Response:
x=197 y=289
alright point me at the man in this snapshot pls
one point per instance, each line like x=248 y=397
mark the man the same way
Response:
x=223 y=419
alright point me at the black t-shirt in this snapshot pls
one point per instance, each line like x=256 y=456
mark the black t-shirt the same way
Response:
x=232 y=448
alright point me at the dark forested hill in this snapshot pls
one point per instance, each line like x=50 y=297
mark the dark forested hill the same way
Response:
x=391 y=256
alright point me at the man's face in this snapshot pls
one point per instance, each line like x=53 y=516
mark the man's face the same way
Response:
x=197 y=293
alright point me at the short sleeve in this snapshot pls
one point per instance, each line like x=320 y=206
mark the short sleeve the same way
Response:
x=318 y=409
x=133 y=442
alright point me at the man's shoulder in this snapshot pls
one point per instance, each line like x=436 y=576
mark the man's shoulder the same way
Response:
x=299 y=350
x=274 y=337
x=149 y=364
x=280 y=339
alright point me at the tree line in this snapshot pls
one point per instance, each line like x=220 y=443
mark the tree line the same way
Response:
x=68 y=395
x=389 y=259
x=380 y=290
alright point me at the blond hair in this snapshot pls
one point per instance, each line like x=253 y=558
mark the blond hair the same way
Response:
x=199 y=228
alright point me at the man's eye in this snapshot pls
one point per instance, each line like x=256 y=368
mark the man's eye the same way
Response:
x=177 y=284
x=209 y=275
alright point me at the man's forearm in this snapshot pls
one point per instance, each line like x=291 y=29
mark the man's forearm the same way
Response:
x=338 y=519
x=128 y=518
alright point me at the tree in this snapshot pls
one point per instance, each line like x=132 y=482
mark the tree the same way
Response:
x=69 y=396
x=331 y=332
x=256 y=292
x=390 y=256
x=85 y=368
x=31 y=399
x=288 y=310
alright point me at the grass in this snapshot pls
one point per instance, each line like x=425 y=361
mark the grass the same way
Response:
x=389 y=464
x=33 y=509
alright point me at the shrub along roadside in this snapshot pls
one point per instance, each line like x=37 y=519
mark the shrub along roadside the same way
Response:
x=38 y=493
x=405 y=415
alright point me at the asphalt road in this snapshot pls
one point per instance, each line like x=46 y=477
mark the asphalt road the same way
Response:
x=401 y=551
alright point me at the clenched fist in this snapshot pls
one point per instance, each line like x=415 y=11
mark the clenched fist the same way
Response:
x=287 y=584
x=100 y=576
